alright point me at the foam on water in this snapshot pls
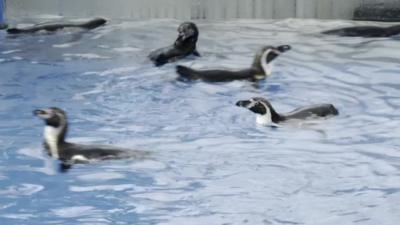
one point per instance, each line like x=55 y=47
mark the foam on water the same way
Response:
x=210 y=163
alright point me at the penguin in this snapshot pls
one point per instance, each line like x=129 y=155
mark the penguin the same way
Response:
x=54 y=26
x=365 y=31
x=266 y=114
x=260 y=69
x=184 y=45
x=55 y=132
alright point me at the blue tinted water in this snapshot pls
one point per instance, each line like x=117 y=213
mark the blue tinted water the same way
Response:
x=210 y=163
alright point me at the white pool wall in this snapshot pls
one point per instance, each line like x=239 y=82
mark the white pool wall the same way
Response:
x=187 y=9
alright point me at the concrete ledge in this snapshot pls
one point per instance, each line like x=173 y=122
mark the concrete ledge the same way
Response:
x=378 y=12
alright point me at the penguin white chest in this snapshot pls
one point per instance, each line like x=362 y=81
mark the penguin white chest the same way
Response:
x=263 y=119
x=51 y=136
x=267 y=67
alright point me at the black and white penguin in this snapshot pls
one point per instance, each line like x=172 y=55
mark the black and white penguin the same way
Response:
x=184 y=45
x=54 y=26
x=55 y=131
x=260 y=69
x=266 y=114
x=365 y=31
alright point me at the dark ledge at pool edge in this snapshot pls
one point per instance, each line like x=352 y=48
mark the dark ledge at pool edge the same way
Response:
x=378 y=12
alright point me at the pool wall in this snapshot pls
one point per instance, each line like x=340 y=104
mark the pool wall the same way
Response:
x=1 y=12
x=187 y=9
x=384 y=10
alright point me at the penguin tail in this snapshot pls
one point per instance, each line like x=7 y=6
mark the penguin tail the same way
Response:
x=185 y=72
x=14 y=31
x=196 y=53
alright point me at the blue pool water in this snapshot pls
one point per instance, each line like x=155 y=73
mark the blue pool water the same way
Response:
x=210 y=163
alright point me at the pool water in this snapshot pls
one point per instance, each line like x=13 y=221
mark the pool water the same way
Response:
x=210 y=163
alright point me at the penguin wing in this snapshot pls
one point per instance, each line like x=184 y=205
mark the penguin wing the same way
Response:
x=320 y=110
x=214 y=75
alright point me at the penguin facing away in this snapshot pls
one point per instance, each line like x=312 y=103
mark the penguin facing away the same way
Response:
x=183 y=46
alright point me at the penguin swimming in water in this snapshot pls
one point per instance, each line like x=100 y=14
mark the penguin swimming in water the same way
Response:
x=54 y=26
x=266 y=114
x=184 y=45
x=365 y=31
x=261 y=68
x=55 y=131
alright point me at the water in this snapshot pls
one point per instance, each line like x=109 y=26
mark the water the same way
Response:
x=210 y=163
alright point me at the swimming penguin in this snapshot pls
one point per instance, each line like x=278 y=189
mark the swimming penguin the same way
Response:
x=55 y=131
x=184 y=45
x=261 y=68
x=54 y=26
x=365 y=31
x=267 y=115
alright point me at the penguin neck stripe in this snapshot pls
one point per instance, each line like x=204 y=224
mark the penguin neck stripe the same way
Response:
x=266 y=118
x=53 y=136
x=266 y=66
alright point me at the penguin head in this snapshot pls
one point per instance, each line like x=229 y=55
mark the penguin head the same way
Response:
x=187 y=31
x=262 y=108
x=54 y=117
x=256 y=105
x=95 y=23
x=266 y=55
x=272 y=52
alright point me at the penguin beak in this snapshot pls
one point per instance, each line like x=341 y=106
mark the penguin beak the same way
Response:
x=43 y=114
x=243 y=103
x=283 y=48
x=273 y=53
